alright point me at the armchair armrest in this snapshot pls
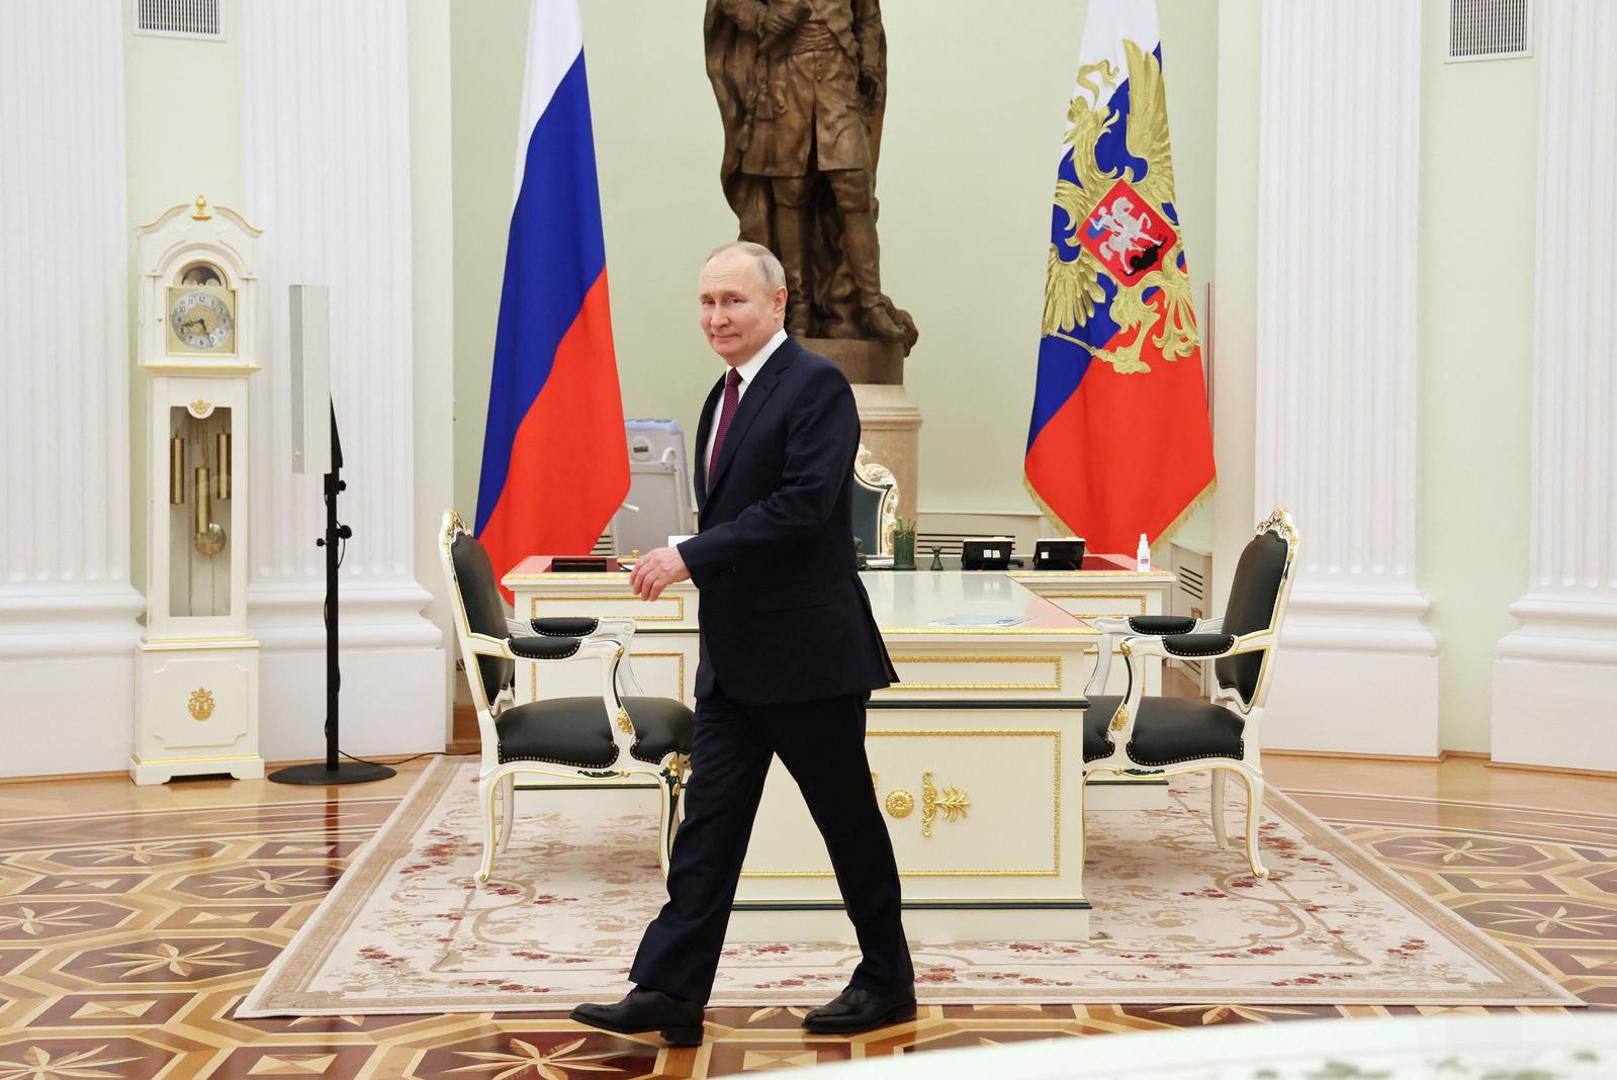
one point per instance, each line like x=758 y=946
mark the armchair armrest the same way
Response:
x=1115 y=627
x=538 y=648
x=1121 y=728
x=1198 y=645
x=610 y=650
x=617 y=631
x=565 y=626
x=1160 y=625
x=554 y=647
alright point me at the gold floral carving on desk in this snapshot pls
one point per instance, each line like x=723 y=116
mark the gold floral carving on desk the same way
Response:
x=900 y=803
x=200 y=704
x=951 y=802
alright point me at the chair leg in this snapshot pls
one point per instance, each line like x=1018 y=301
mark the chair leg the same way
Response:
x=508 y=807
x=684 y=767
x=1083 y=825
x=666 y=798
x=1219 y=836
x=487 y=791
x=1254 y=804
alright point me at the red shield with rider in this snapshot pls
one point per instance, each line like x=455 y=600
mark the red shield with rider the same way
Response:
x=1127 y=234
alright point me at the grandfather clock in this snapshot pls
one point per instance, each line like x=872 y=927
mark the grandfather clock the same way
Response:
x=196 y=682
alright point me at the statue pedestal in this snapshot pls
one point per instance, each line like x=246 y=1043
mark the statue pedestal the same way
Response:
x=890 y=421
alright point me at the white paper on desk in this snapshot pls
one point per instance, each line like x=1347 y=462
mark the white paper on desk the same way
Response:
x=967 y=618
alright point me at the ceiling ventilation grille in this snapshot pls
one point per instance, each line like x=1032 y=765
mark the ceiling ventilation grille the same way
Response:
x=181 y=18
x=1489 y=29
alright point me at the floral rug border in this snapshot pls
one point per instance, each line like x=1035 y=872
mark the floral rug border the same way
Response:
x=282 y=991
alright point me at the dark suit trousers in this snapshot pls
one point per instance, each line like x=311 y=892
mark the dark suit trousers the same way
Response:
x=822 y=744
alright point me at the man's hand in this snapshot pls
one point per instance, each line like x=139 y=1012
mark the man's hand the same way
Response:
x=657 y=570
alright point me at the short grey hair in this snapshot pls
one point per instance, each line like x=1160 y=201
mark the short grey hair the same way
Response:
x=770 y=271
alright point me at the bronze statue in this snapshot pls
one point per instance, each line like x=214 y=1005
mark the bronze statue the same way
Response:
x=801 y=85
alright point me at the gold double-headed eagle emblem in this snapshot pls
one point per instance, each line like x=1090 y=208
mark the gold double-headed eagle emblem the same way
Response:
x=1096 y=206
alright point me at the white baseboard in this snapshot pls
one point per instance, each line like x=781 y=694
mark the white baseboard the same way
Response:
x=1555 y=685
x=391 y=702
x=68 y=714
x=67 y=678
x=394 y=699
x=1356 y=672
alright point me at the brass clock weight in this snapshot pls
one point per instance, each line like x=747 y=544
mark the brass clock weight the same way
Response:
x=210 y=483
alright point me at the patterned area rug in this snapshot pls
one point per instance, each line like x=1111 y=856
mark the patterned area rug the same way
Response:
x=1176 y=920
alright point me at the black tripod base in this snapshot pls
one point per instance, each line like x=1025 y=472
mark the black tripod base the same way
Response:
x=346 y=772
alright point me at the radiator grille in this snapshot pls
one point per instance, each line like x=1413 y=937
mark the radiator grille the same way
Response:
x=1489 y=29
x=181 y=18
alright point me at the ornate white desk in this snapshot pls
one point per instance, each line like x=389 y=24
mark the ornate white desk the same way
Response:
x=665 y=644
x=971 y=752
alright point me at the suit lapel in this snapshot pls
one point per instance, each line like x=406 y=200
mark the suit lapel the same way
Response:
x=704 y=424
x=751 y=403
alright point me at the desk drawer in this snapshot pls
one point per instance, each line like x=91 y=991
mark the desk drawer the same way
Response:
x=920 y=672
x=959 y=802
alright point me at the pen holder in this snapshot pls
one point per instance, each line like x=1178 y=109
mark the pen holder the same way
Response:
x=904 y=545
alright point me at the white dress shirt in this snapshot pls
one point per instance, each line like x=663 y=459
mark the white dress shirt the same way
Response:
x=748 y=372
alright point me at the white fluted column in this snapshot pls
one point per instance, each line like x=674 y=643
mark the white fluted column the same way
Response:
x=67 y=608
x=1337 y=370
x=326 y=124
x=1555 y=679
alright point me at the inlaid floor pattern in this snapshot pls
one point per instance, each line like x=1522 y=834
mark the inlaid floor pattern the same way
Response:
x=129 y=932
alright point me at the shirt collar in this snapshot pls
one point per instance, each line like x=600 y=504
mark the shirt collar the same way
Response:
x=752 y=367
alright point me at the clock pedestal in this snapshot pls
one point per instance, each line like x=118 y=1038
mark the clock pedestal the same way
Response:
x=196 y=671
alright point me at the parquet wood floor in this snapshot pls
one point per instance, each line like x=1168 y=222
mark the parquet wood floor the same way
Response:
x=132 y=920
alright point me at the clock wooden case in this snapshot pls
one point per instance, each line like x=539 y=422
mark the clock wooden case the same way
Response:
x=196 y=707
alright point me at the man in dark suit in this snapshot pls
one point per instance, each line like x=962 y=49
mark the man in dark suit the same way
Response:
x=789 y=655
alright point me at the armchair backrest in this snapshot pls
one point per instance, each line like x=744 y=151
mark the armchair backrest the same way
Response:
x=875 y=504
x=1257 y=601
x=479 y=608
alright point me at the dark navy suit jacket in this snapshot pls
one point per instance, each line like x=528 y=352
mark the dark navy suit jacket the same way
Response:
x=783 y=614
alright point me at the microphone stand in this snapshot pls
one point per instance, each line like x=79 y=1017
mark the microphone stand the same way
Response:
x=333 y=771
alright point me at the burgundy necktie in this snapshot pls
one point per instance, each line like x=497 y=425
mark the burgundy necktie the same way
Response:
x=732 y=398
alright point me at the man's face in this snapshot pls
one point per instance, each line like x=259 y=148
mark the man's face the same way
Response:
x=739 y=313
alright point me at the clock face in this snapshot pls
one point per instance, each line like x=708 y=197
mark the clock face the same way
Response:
x=201 y=319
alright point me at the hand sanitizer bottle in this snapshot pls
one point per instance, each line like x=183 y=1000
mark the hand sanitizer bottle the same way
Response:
x=1142 y=555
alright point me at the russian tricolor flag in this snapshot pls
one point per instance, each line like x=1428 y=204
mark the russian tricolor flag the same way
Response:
x=555 y=460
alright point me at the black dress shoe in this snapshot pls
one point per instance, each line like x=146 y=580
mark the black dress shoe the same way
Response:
x=678 y=1021
x=856 y=1010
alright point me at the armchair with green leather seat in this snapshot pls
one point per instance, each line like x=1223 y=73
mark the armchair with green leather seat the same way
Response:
x=603 y=738
x=1165 y=735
